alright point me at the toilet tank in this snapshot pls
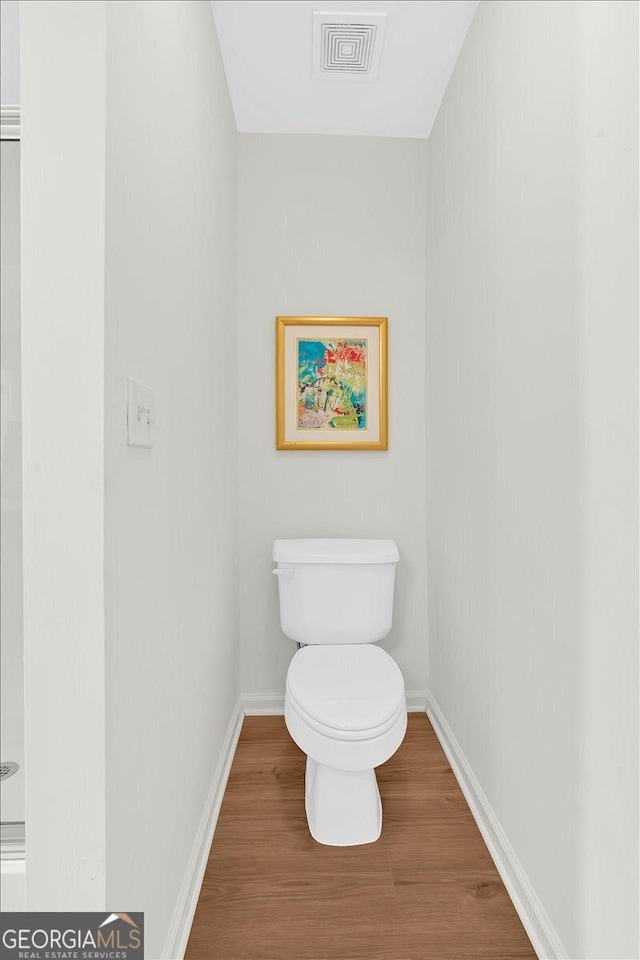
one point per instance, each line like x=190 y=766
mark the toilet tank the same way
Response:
x=336 y=591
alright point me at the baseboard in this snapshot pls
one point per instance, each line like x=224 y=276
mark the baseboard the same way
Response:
x=9 y=122
x=272 y=704
x=416 y=700
x=178 y=935
x=263 y=704
x=544 y=938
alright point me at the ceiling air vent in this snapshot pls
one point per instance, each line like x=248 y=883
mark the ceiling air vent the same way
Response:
x=347 y=46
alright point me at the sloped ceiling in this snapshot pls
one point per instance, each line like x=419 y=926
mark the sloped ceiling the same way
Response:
x=267 y=51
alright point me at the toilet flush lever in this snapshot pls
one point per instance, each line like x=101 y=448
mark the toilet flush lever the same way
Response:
x=283 y=573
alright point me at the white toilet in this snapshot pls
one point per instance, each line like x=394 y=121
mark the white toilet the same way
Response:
x=345 y=703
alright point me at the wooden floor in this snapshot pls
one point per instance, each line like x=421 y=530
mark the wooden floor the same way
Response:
x=427 y=890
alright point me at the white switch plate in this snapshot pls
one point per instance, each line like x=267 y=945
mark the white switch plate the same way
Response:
x=140 y=414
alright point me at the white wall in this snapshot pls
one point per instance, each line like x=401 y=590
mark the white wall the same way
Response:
x=129 y=253
x=10 y=52
x=532 y=414
x=608 y=290
x=170 y=512
x=12 y=647
x=329 y=226
x=63 y=251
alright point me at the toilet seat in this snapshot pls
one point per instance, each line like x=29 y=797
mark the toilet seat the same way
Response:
x=353 y=736
x=346 y=691
x=345 y=705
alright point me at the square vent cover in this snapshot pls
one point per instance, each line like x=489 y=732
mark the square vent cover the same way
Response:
x=347 y=46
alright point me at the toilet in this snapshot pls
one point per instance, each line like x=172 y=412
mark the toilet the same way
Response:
x=345 y=702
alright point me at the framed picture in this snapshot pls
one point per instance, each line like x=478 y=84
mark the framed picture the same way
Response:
x=331 y=383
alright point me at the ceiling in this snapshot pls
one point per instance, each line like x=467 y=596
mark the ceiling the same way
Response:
x=267 y=49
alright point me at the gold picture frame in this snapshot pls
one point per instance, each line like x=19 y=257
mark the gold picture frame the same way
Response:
x=331 y=383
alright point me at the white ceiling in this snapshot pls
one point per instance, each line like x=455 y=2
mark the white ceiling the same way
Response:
x=267 y=52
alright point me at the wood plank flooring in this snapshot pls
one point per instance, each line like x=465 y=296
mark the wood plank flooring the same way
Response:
x=427 y=890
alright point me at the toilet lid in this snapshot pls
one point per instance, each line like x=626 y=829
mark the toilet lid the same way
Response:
x=349 y=687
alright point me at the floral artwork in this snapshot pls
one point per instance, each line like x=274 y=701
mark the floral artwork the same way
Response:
x=332 y=384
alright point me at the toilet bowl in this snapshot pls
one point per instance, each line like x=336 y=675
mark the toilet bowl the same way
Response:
x=345 y=708
x=345 y=702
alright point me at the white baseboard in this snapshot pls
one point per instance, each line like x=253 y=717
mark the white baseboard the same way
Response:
x=263 y=704
x=180 y=928
x=272 y=704
x=544 y=938
x=9 y=122
x=416 y=700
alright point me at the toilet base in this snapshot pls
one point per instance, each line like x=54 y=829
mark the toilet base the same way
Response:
x=343 y=806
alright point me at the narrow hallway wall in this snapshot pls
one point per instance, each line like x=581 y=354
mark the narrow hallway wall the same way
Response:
x=62 y=274
x=532 y=426
x=11 y=612
x=170 y=512
x=330 y=226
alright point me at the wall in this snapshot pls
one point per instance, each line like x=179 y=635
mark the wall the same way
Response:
x=170 y=512
x=532 y=446
x=10 y=52
x=329 y=226
x=608 y=290
x=62 y=259
x=12 y=648
x=128 y=253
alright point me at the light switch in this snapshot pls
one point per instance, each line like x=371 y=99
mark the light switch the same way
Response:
x=140 y=414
